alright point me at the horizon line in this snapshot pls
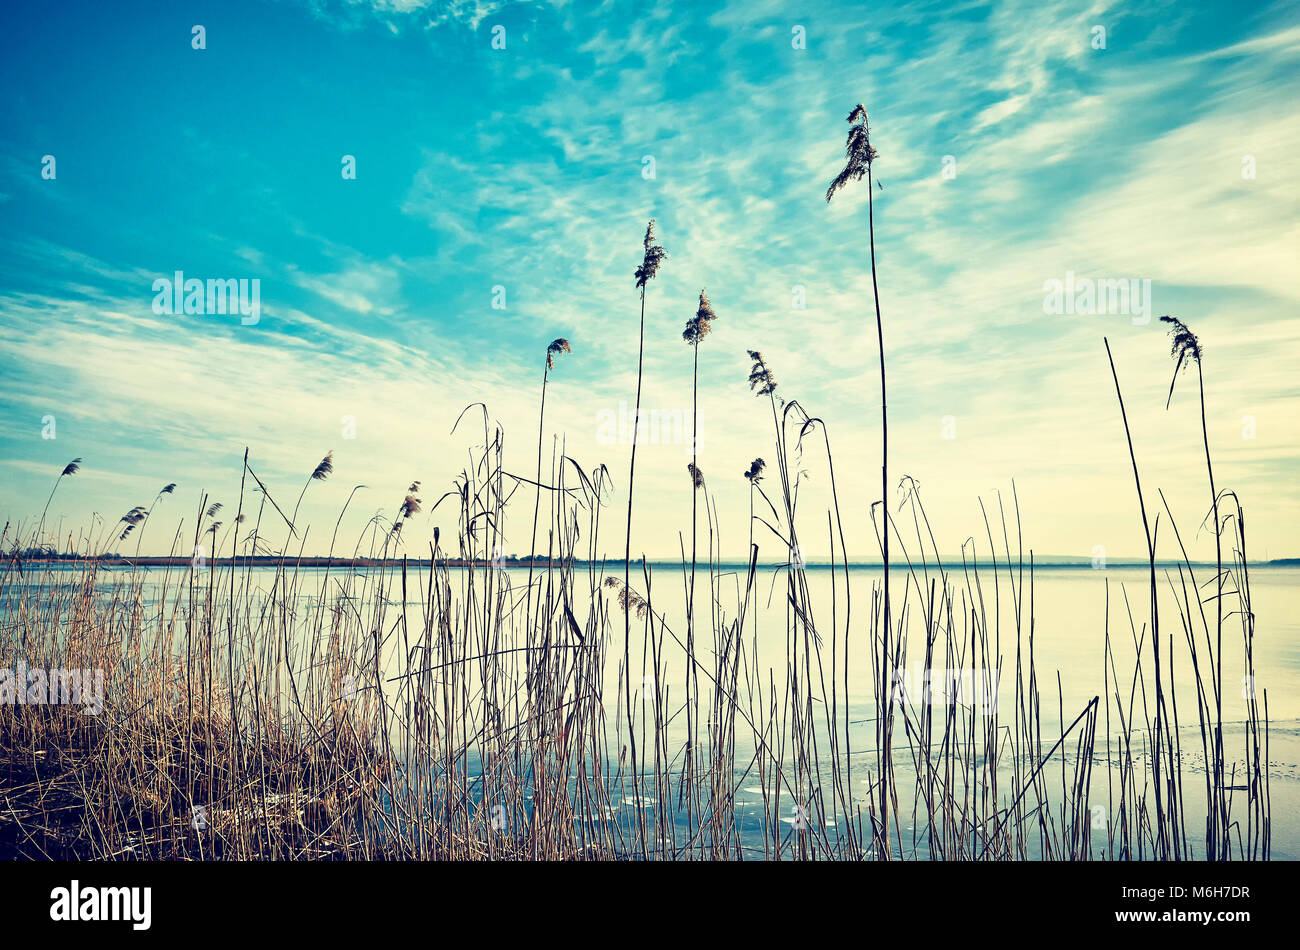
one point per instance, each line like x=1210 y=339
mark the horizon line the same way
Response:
x=1050 y=562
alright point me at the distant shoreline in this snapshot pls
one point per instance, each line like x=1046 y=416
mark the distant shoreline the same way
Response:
x=352 y=562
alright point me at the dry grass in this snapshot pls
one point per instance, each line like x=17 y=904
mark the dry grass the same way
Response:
x=446 y=711
x=249 y=694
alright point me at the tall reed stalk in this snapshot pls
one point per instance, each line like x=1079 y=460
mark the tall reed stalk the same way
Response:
x=651 y=260
x=68 y=470
x=697 y=328
x=1187 y=349
x=859 y=155
x=553 y=349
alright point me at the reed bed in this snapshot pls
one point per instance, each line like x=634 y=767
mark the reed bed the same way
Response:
x=454 y=709
x=434 y=705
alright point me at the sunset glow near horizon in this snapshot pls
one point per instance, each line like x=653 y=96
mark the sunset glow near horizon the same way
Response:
x=423 y=195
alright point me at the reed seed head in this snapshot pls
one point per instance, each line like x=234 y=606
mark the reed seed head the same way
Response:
x=557 y=347
x=1184 y=343
x=755 y=471
x=697 y=476
x=1185 y=346
x=697 y=328
x=628 y=599
x=410 y=506
x=760 y=377
x=71 y=468
x=858 y=152
x=325 y=468
x=135 y=516
x=654 y=256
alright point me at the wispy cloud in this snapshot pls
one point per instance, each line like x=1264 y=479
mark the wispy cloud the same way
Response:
x=534 y=173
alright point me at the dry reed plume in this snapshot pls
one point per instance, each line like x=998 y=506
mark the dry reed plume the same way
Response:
x=395 y=703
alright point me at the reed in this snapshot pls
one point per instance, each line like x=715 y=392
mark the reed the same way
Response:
x=68 y=470
x=652 y=258
x=417 y=704
x=413 y=709
x=859 y=155
x=697 y=328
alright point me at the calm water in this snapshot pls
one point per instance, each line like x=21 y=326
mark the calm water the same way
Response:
x=1070 y=618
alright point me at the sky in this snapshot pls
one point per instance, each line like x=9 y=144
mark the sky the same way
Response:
x=507 y=158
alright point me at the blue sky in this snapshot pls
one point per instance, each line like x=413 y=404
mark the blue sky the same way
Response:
x=524 y=168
